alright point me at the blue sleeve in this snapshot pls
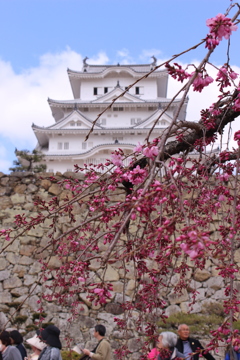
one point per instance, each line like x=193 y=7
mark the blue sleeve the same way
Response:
x=227 y=357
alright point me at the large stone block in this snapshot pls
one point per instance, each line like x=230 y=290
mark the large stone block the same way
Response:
x=178 y=298
x=192 y=309
x=3 y=263
x=111 y=274
x=5 y=203
x=20 y=188
x=5 y=297
x=54 y=263
x=46 y=184
x=29 y=280
x=172 y=310
x=215 y=283
x=33 y=302
x=19 y=270
x=37 y=231
x=201 y=275
x=18 y=199
x=4 y=275
x=25 y=260
x=55 y=189
x=12 y=283
x=27 y=250
x=32 y=188
x=19 y=291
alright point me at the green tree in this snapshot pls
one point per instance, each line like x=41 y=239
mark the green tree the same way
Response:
x=28 y=161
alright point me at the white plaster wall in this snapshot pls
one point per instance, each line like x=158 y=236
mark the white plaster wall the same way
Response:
x=149 y=87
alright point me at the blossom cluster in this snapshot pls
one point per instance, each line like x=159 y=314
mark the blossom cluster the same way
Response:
x=220 y=27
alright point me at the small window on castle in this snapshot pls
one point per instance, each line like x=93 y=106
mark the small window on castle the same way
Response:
x=59 y=146
x=104 y=121
x=72 y=123
x=66 y=145
x=118 y=108
x=139 y=90
x=132 y=121
x=79 y=123
x=105 y=90
x=95 y=92
x=84 y=145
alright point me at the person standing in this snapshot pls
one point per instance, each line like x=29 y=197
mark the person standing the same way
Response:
x=188 y=345
x=8 y=352
x=17 y=340
x=37 y=346
x=103 y=349
x=50 y=336
x=167 y=346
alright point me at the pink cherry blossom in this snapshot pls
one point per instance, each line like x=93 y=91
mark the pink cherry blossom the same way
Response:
x=137 y=175
x=220 y=26
x=237 y=137
x=201 y=81
x=151 y=152
x=117 y=159
x=138 y=148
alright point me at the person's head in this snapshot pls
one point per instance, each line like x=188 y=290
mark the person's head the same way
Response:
x=100 y=330
x=50 y=336
x=36 y=344
x=16 y=337
x=167 y=340
x=183 y=331
x=5 y=340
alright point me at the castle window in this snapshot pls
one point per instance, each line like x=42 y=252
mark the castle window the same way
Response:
x=105 y=90
x=133 y=122
x=84 y=145
x=118 y=108
x=79 y=123
x=59 y=146
x=72 y=123
x=66 y=145
x=95 y=91
x=139 y=90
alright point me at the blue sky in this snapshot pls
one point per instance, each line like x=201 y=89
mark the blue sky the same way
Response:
x=41 y=38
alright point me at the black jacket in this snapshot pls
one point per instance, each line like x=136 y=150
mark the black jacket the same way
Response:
x=195 y=345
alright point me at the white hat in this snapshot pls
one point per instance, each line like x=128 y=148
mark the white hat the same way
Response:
x=36 y=342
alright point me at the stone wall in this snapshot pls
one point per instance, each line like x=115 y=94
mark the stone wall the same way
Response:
x=19 y=273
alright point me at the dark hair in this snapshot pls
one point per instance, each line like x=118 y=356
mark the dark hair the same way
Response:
x=100 y=329
x=5 y=338
x=16 y=336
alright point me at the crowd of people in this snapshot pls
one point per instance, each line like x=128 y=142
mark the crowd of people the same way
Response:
x=46 y=345
x=170 y=347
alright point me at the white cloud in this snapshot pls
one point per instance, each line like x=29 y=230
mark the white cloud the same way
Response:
x=24 y=96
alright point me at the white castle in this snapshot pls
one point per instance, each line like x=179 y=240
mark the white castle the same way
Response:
x=124 y=125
